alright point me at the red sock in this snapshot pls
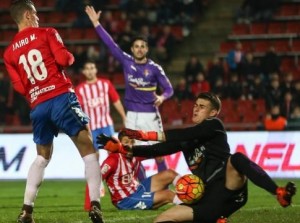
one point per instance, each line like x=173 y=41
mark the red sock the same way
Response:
x=87 y=202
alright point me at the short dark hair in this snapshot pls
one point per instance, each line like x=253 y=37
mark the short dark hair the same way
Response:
x=18 y=7
x=88 y=61
x=213 y=98
x=140 y=37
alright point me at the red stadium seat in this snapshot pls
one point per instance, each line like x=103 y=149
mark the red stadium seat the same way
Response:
x=276 y=27
x=225 y=47
x=296 y=45
x=90 y=33
x=258 y=28
x=169 y=106
x=240 y=29
x=262 y=45
x=118 y=79
x=282 y=45
x=186 y=110
x=76 y=33
x=292 y=27
x=288 y=10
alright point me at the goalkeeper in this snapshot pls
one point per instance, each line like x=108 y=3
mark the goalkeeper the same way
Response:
x=120 y=173
x=207 y=154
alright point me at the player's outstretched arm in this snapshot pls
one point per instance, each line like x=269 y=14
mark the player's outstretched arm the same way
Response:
x=93 y=15
x=144 y=135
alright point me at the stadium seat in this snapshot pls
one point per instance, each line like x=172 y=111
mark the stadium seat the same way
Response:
x=4 y=4
x=186 y=110
x=76 y=33
x=276 y=27
x=90 y=33
x=225 y=47
x=295 y=45
x=260 y=107
x=262 y=45
x=288 y=10
x=258 y=28
x=56 y=17
x=118 y=79
x=169 y=106
x=292 y=27
x=240 y=29
x=8 y=34
x=287 y=64
x=282 y=45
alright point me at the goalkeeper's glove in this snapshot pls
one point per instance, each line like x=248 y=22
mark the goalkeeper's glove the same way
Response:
x=112 y=145
x=140 y=135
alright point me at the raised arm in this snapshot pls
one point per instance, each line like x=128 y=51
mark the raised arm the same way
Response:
x=106 y=38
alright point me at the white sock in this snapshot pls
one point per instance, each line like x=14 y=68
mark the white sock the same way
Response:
x=176 y=200
x=176 y=179
x=93 y=176
x=34 y=179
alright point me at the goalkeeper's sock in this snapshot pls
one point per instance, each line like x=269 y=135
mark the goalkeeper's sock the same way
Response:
x=34 y=179
x=161 y=164
x=253 y=171
x=93 y=176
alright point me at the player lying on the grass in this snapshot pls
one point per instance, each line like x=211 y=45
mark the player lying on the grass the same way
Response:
x=120 y=173
x=207 y=154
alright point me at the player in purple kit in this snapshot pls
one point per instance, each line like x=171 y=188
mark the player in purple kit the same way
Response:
x=142 y=77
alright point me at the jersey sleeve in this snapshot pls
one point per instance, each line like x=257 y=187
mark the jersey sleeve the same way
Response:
x=112 y=92
x=158 y=149
x=203 y=131
x=109 y=42
x=62 y=56
x=164 y=83
x=14 y=76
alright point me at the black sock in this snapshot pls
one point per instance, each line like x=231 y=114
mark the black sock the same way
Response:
x=27 y=208
x=253 y=171
x=96 y=203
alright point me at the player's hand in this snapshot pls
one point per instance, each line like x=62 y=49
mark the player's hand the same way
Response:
x=93 y=15
x=140 y=135
x=112 y=145
x=159 y=99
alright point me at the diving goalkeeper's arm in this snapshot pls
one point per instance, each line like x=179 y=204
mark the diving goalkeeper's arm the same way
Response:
x=113 y=145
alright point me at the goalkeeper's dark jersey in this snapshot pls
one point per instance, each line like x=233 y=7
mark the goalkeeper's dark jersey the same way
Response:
x=204 y=146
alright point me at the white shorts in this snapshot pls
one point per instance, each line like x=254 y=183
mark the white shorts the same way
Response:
x=147 y=121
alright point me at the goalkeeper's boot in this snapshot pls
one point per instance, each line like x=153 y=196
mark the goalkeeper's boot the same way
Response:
x=95 y=213
x=285 y=194
x=24 y=217
x=222 y=220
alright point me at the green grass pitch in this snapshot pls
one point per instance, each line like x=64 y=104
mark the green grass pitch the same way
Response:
x=61 y=201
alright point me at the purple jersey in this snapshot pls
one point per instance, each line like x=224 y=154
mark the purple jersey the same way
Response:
x=141 y=80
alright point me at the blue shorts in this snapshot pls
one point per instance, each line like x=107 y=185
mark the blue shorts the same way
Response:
x=142 y=199
x=108 y=130
x=59 y=113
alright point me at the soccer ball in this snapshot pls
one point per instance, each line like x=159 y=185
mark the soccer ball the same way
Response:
x=189 y=188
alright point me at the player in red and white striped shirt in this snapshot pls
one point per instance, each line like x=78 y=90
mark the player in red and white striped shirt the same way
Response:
x=120 y=174
x=95 y=95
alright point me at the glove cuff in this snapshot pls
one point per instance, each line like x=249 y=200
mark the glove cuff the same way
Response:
x=152 y=136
